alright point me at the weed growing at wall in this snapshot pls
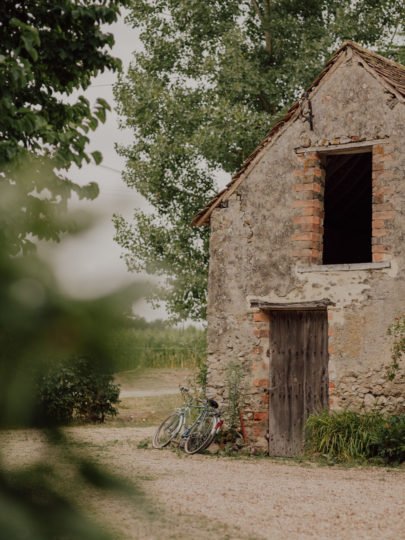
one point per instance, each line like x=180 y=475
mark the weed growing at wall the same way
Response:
x=236 y=388
x=201 y=378
x=349 y=436
x=397 y=331
x=231 y=439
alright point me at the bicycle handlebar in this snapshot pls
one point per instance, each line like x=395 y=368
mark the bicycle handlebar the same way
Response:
x=211 y=402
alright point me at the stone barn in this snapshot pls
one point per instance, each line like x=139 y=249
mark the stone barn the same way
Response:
x=307 y=254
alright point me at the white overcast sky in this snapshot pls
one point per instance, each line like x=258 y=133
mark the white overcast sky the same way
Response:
x=89 y=265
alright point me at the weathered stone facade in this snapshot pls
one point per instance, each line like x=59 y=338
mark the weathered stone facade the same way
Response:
x=266 y=244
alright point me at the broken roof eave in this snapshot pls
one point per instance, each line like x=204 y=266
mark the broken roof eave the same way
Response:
x=203 y=217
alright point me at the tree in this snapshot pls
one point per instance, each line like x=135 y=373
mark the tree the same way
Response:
x=210 y=81
x=48 y=50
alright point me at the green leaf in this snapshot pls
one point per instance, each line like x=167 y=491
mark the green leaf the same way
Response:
x=98 y=158
x=103 y=104
x=29 y=46
x=101 y=115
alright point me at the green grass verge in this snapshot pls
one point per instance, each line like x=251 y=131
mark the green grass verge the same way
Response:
x=144 y=411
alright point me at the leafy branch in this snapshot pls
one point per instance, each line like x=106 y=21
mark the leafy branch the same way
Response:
x=264 y=16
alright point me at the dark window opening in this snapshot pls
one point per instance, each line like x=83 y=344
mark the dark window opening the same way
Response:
x=348 y=209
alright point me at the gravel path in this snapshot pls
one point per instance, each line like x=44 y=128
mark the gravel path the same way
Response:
x=144 y=393
x=203 y=497
x=265 y=498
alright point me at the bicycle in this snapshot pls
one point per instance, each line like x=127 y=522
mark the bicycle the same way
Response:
x=196 y=436
x=203 y=431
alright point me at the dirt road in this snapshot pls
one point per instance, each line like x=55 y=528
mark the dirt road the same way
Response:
x=205 y=497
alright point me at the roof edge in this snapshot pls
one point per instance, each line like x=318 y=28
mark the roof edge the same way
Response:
x=203 y=216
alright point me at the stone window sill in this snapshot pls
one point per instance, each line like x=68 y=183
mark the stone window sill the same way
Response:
x=343 y=267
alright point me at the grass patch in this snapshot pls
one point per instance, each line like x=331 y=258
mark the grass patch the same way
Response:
x=144 y=444
x=153 y=379
x=145 y=411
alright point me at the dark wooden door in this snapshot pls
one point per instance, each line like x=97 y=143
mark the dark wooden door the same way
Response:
x=299 y=381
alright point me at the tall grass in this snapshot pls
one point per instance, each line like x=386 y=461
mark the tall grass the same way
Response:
x=348 y=436
x=158 y=346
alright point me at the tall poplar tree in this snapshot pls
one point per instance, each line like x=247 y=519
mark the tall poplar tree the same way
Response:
x=211 y=79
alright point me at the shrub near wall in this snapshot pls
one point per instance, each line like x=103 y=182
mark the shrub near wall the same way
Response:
x=349 y=436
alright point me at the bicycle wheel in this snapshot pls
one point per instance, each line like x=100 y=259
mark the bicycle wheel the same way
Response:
x=201 y=435
x=167 y=430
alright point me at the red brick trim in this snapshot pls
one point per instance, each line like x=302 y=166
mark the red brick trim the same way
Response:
x=308 y=217
x=383 y=211
x=308 y=220
x=261 y=317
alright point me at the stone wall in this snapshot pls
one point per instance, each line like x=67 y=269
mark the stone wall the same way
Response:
x=369 y=390
x=271 y=230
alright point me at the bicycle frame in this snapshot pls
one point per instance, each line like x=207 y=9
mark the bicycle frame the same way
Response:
x=205 y=410
x=184 y=422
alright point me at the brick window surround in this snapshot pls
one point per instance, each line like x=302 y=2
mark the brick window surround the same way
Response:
x=309 y=190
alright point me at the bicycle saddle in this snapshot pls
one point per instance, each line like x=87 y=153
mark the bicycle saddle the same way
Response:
x=213 y=403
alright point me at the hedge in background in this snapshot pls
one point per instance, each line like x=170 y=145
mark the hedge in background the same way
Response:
x=347 y=436
x=156 y=344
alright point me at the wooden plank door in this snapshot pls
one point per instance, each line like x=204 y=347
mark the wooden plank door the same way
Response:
x=299 y=382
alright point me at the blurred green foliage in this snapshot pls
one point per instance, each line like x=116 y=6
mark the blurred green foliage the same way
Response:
x=40 y=328
x=206 y=87
x=47 y=50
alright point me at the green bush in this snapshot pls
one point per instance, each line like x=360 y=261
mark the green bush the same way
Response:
x=348 y=435
x=73 y=390
x=389 y=438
